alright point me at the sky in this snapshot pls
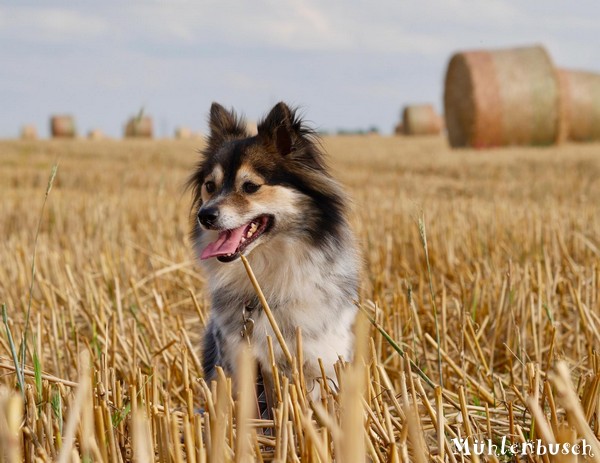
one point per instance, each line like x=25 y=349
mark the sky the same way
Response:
x=347 y=64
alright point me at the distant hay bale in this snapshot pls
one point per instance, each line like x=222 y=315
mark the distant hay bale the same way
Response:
x=29 y=132
x=421 y=120
x=63 y=126
x=399 y=129
x=96 y=134
x=251 y=128
x=183 y=133
x=139 y=127
x=580 y=101
x=502 y=97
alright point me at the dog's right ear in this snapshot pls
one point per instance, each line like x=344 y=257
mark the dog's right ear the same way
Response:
x=223 y=125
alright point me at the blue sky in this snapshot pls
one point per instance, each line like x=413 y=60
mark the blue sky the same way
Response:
x=349 y=64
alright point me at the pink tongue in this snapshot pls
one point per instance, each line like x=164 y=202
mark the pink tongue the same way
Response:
x=227 y=243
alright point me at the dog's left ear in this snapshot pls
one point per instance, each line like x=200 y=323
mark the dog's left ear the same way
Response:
x=224 y=124
x=278 y=130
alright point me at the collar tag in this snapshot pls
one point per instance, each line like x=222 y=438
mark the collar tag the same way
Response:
x=248 y=322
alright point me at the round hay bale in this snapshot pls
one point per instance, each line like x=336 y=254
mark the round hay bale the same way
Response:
x=399 y=129
x=29 y=132
x=139 y=127
x=580 y=94
x=421 y=120
x=96 y=134
x=502 y=97
x=183 y=133
x=62 y=126
x=251 y=128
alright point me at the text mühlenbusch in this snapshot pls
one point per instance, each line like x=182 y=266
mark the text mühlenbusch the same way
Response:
x=537 y=447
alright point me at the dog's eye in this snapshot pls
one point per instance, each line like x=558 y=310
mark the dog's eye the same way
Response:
x=210 y=186
x=250 y=187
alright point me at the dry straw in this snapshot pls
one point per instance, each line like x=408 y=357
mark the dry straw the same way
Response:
x=580 y=102
x=11 y=413
x=515 y=285
x=502 y=97
x=421 y=120
x=62 y=126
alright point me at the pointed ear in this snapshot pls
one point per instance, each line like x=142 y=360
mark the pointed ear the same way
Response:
x=277 y=129
x=224 y=124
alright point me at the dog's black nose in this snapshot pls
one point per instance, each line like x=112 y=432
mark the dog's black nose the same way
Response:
x=207 y=216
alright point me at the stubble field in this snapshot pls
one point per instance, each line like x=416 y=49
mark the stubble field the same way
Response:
x=482 y=267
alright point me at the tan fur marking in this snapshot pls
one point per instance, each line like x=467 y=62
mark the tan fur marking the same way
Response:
x=276 y=197
x=215 y=176
x=247 y=174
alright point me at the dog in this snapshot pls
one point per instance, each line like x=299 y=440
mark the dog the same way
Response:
x=271 y=198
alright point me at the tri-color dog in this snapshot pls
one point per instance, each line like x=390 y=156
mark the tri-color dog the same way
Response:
x=270 y=197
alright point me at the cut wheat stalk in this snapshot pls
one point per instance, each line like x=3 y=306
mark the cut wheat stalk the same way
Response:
x=268 y=312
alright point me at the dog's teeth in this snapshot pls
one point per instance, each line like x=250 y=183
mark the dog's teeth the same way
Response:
x=251 y=230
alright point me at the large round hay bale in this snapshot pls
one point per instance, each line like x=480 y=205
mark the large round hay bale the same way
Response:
x=29 y=132
x=502 y=97
x=421 y=120
x=139 y=127
x=580 y=94
x=63 y=126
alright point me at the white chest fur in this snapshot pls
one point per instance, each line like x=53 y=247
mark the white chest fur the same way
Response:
x=305 y=288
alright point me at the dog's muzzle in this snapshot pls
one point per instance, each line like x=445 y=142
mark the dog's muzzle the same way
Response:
x=208 y=216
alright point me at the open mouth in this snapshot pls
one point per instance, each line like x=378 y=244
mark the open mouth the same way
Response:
x=231 y=243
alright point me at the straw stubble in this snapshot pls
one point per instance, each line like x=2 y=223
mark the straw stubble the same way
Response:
x=513 y=275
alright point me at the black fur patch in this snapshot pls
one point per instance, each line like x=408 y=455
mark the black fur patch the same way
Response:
x=327 y=216
x=211 y=351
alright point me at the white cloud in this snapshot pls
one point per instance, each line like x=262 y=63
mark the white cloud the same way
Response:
x=469 y=11
x=386 y=26
x=284 y=25
x=289 y=24
x=49 y=24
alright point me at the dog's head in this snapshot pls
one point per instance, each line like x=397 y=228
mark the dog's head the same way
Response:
x=250 y=189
